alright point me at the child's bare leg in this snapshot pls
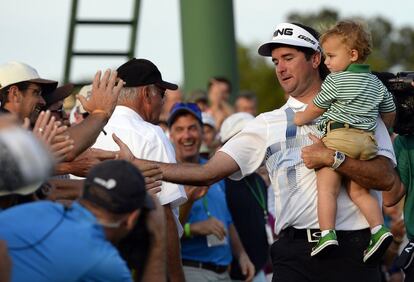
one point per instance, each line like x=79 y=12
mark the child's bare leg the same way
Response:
x=328 y=183
x=367 y=204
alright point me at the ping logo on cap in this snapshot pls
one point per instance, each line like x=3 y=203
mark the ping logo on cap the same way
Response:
x=108 y=184
x=283 y=31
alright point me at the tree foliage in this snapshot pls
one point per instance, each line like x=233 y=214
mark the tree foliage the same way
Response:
x=392 y=50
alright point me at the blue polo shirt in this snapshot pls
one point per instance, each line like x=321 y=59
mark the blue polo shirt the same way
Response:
x=50 y=243
x=196 y=248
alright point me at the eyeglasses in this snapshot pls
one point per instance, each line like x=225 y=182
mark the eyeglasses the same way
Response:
x=162 y=93
x=58 y=110
x=36 y=91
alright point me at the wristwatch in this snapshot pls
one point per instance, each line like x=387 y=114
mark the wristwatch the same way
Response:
x=339 y=158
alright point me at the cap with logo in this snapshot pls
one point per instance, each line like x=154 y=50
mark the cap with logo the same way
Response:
x=117 y=186
x=15 y=72
x=141 y=72
x=233 y=124
x=290 y=34
x=180 y=109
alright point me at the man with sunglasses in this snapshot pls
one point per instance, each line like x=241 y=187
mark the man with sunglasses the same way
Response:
x=134 y=121
x=22 y=89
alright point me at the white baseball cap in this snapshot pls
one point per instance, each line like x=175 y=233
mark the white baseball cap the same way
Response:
x=86 y=91
x=290 y=34
x=15 y=72
x=233 y=125
x=208 y=119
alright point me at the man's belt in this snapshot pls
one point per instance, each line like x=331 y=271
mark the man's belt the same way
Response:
x=313 y=235
x=205 y=265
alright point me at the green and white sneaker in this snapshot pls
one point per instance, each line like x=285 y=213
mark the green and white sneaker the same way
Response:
x=325 y=244
x=378 y=244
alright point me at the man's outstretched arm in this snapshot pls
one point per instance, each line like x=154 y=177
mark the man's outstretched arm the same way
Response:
x=218 y=167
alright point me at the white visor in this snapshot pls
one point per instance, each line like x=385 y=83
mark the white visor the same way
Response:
x=290 y=34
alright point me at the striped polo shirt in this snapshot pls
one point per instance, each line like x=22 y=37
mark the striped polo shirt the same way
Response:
x=354 y=96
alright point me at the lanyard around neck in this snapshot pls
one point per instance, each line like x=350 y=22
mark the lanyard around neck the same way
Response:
x=205 y=204
x=258 y=195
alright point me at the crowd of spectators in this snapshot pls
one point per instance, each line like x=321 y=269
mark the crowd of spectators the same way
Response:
x=139 y=182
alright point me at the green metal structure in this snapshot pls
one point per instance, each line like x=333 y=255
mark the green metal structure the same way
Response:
x=209 y=45
x=75 y=22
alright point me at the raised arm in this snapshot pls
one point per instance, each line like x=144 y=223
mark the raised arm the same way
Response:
x=100 y=106
x=312 y=111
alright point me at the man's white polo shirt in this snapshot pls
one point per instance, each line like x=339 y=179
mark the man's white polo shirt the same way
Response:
x=274 y=137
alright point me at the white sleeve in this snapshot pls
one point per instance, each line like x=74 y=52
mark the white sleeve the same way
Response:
x=248 y=148
x=384 y=142
x=161 y=150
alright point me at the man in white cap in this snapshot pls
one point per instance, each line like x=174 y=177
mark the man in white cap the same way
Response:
x=22 y=89
x=291 y=155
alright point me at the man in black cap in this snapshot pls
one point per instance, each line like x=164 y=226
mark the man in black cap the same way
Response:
x=74 y=243
x=134 y=121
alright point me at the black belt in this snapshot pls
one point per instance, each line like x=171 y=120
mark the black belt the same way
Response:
x=312 y=235
x=336 y=125
x=205 y=265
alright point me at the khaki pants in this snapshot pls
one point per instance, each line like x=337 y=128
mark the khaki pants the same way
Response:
x=355 y=143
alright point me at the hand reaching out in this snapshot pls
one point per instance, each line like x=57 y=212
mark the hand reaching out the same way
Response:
x=105 y=92
x=151 y=172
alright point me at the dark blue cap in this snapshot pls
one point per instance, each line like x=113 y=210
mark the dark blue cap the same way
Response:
x=180 y=109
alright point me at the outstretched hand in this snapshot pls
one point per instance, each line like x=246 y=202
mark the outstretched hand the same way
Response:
x=317 y=155
x=124 y=151
x=151 y=171
x=195 y=192
x=105 y=92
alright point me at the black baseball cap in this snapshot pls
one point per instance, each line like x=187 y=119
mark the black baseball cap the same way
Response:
x=117 y=186
x=60 y=93
x=141 y=72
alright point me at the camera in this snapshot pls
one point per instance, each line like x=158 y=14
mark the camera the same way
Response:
x=403 y=91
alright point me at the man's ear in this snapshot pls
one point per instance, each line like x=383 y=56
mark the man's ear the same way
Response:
x=132 y=219
x=147 y=94
x=14 y=95
x=316 y=59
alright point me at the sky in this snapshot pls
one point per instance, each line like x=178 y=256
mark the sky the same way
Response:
x=35 y=31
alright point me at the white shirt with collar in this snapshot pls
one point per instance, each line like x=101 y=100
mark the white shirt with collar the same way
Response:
x=273 y=137
x=146 y=141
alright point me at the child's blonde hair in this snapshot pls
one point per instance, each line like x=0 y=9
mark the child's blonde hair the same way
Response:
x=354 y=35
